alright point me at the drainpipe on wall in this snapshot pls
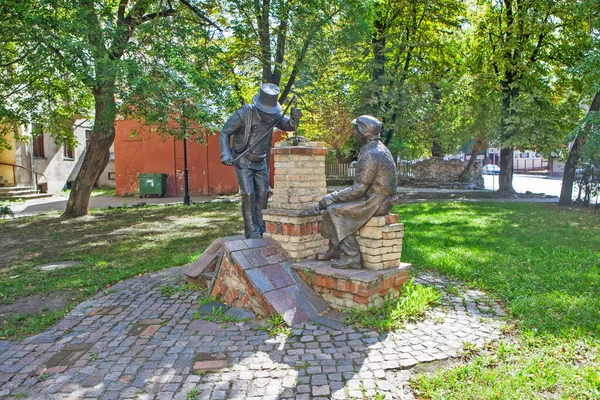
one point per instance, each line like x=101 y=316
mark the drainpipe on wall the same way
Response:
x=33 y=174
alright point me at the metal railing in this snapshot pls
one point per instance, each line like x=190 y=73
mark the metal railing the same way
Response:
x=340 y=171
x=14 y=169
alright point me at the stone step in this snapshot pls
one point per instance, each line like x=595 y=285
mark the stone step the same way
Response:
x=256 y=274
x=29 y=196
x=15 y=189
x=21 y=192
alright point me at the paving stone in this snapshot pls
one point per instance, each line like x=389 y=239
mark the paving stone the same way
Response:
x=319 y=361
x=240 y=313
x=203 y=327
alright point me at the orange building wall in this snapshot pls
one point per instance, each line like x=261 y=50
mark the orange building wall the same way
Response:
x=148 y=152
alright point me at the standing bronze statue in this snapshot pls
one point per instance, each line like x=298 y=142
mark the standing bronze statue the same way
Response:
x=373 y=194
x=250 y=130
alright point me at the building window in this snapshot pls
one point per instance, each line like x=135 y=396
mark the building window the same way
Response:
x=38 y=141
x=111 y=176
x=88 y=137
x=68 y=152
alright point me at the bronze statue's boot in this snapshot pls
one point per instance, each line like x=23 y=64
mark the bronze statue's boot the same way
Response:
x=249 y=229
x=332 y=254
x=347 y=262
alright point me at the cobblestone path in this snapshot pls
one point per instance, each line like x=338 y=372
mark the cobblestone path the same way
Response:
x=137 y=343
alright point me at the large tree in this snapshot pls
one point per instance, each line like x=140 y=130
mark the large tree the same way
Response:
x=130 y=56
x=524 y=49
x=275 y=38
x=589 y=68
x=411 y=52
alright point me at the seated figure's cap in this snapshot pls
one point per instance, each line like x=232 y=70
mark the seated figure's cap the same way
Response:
x=266 y=99
x=370 y=126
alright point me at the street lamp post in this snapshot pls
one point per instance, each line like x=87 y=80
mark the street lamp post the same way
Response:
x=186 y=196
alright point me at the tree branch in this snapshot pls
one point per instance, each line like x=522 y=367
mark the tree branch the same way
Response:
x=18 y=60
x=121 y=10
x=540 y=41
x=200 y=14
x=280 y=49
x=164 y=13
x=85 y=79
x=295 y=69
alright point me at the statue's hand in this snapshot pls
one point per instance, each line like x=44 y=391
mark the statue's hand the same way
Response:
x=227 y=160
x=296 y=113
x=314 y=210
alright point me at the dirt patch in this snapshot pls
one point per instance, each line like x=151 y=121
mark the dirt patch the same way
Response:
x=36 y=304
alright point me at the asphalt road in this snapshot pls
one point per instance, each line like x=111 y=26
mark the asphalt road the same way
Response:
x=531 y=183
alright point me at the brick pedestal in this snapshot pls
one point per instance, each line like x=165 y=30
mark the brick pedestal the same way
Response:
x=382 y=275
x=299 y=184
x=350 y=288
x=380 y=242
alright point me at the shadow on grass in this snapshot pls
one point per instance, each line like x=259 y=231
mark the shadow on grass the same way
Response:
x=112 y=246
x=542 y=260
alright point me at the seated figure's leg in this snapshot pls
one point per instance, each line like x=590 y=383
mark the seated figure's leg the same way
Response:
x=352 y=257
x=245 y=178
x=327 y=230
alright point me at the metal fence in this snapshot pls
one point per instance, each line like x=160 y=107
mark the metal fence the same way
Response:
x=341 y=171
x=534 y=164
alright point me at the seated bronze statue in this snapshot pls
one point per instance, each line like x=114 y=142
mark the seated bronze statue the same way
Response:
x=372 y=194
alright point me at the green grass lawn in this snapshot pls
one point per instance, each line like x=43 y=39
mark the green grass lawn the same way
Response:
x=112 y=244
x=543 y=262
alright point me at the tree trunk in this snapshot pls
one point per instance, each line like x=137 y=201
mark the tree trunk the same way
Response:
x=566 y=192
x=463 y=174
x=510 y=92
x=96 y=155
x=505 y=178
x=436 y=150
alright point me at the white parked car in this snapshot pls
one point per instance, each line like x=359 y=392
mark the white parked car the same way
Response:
x=491 y=169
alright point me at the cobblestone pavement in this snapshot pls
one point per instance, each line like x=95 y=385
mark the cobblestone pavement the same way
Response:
x=136 y=342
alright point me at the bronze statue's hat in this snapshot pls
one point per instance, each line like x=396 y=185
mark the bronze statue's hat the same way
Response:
x=266 y=99
x=370 y=126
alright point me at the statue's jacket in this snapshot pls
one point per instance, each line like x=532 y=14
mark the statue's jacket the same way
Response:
x=372 y=193
x=245 y=128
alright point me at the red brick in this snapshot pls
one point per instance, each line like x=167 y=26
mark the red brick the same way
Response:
x=342 y=284
x=296 y=229
x=321 y=281
x=53 y=370
x=391 y=219
x=210 y=365
x=95 y=311
x=337 y=293
x=150 y=330
x=385 y=285
x=353 y=287
x=361 y=299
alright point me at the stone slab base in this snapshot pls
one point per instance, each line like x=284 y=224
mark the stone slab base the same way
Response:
x=351 y=288
x=201 y=273
x=255 y=274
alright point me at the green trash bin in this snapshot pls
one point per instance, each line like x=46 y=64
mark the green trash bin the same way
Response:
x=152 y=184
